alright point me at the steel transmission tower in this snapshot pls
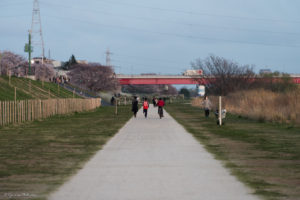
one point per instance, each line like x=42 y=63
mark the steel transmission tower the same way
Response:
x=36 y=30
x=108 y=60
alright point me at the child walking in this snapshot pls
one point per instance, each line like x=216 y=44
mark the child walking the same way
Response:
x=145 y=107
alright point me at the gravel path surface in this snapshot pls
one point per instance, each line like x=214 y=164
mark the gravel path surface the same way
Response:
x=153 y=159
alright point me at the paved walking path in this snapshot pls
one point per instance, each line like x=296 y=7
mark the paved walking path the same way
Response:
x=153 y=159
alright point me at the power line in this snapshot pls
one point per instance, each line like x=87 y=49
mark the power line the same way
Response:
x=21 y=3
x=198 y=13
x=147 y=58
x=104 y=12
x=143 y=64
x=191 y=37
x=13 y=16
x=147 y=66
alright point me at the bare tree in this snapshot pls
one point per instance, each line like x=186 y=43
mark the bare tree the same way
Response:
x=94 y=77
x=224 y=76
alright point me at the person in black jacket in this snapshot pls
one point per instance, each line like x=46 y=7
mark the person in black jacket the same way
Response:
x=112 y=100
x=154 y=101
x=135 y=107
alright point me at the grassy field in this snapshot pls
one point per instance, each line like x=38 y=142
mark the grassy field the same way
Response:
x=36 y=158
x=264 y=156
x=33 y=90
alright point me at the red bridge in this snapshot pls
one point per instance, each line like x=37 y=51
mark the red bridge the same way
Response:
x=170 y=79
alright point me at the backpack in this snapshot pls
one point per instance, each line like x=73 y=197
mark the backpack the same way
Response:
x=146 y=105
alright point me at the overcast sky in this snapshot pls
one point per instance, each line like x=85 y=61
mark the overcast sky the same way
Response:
x=160 y=36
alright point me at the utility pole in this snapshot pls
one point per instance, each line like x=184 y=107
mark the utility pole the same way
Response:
x=28 y=48
x=36 y=29
x=49 y=55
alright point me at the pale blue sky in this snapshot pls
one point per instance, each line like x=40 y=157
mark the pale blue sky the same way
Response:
x=160 y=36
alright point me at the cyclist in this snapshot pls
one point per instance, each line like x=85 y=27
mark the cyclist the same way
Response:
x=160 y=105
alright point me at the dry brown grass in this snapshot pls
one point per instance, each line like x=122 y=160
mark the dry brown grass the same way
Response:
x=262 y=105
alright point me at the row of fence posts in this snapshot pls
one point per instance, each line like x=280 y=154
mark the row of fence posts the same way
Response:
x=29 y=88
x=49 y=93
x=43 y=84
x=13 y=112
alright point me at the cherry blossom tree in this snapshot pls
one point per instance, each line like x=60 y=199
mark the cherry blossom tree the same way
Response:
x=94 y=77
x=11 y=63
x=43 y=71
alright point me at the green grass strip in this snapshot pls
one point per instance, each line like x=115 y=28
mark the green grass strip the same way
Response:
x=36 y=158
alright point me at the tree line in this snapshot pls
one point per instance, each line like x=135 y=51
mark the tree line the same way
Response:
x=92 y=76
x=225 y=76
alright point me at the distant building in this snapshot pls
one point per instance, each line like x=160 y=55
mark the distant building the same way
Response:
x=40 y=60
x=57 y=63
x=82 y=62
x=265 y=71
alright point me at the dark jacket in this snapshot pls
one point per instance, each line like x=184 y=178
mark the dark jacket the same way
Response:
x=135 y=107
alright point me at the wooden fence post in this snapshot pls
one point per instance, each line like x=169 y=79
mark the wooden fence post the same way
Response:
x=8 y=112
x=116 y=111
x=29 y=86
x=0 y=113
x=15 y=94
x=9 y=78
x=220 y=110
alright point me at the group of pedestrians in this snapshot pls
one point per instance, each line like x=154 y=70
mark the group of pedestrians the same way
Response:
x=206 y=103
x=160 y=103
x=60 y=79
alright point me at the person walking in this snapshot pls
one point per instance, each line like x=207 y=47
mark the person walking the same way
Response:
x=207 y=106
x=112 y=100
x=154 y=101
x=135 y=107
x=160 y=105
x=145 y=107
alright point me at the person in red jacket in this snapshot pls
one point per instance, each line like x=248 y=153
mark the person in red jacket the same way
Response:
x=160 y=105
x=145 y=107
